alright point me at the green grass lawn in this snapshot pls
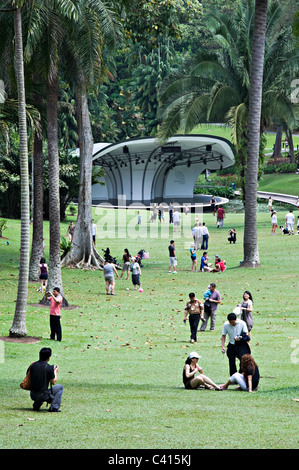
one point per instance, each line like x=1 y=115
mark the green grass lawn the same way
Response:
x=287 y=183
x=121 y=358
x=225 y=132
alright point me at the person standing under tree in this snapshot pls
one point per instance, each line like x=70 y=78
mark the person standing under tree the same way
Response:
x=55 y=305
x=93 y=232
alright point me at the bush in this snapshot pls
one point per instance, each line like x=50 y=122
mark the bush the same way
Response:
x=2 y=226
x=287 y=168
x=281 y=168
x=65 y=247
x=220 y=191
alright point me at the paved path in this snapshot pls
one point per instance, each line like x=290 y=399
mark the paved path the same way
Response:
x=278 y=197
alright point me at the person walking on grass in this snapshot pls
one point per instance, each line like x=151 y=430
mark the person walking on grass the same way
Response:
x=220 y=216
x=55 y=306
x=190 y=370
x=126 y=264
x=172 y=258
x=194 y=308
x=273 y=223
x=246 y=311
x=42 y=374
x=109 y=271
x=290 y=221
x=136 y=273
x=43 y=274
x=193 y=258
x=210 y=308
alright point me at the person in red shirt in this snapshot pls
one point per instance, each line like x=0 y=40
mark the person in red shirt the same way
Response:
x=220 y=217
x=55 y=305
x=219 y=265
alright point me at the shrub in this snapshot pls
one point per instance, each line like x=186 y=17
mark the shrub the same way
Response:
x=220 y=191
x=2 y=226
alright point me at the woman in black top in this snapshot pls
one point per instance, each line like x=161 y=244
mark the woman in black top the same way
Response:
x=249 y=377
x=126 y=266
x=191 y=368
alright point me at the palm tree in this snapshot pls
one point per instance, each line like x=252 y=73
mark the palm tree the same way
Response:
x=46 y=31
x=214 y=86
x=251 y=253
x=96 y=30
x=18 y=327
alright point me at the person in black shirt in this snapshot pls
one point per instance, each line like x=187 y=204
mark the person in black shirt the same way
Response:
x=42 y=373
x=172 y=257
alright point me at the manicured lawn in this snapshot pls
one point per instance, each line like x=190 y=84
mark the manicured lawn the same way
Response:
x=225 y=132
x=287 y=183
x=121 y=358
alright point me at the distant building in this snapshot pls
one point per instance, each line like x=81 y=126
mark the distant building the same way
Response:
x=145 y=171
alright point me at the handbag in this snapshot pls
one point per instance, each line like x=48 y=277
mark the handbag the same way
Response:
x=26 y=382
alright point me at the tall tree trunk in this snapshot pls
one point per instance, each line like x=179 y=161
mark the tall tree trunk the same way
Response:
x=289 y=136
x=277 y=145
x=55 y=278
x=38 y=196
x=18 y=328
x=83 y=252
x=251 y=252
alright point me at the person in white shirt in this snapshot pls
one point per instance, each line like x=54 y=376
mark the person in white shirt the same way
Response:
x=205 y=237
x=176 y=221
x=238 y=339
x=273 y=222
x=197 y=235
x=290 y=221
x=93 y=232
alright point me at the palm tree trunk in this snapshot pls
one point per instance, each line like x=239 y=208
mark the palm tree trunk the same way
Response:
x=251 y=252
x=289 y=136
x=37 y=235
x=277 y=146
x=55 y=278
x=18 y=328
x=83 y=252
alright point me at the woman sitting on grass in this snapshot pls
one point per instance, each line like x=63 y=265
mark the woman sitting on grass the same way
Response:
x=190 y=370
x=248 y=380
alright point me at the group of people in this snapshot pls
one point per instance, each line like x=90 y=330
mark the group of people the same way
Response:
x=129 y=264
x=197 y=310
x=238 y=330
x=71 y=231
x=206 y=266
x=288 y=228
x=247 y=379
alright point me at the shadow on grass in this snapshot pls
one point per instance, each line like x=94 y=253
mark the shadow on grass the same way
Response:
x=280 y=391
